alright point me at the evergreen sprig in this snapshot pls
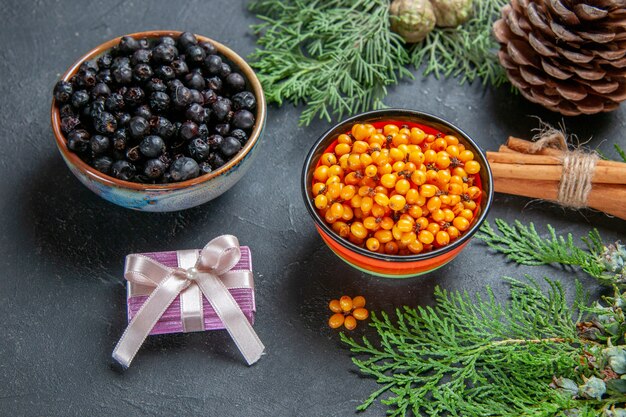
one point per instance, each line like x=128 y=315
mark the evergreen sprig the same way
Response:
x=469 y=356
x=338 y=57
x=524 y=245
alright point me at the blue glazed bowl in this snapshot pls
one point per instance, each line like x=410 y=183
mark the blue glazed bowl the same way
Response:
x=173 y=196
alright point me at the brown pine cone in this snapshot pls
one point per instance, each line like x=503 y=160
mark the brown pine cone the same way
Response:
x=569 y=56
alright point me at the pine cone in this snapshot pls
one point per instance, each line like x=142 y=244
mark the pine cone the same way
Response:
x=567 y=55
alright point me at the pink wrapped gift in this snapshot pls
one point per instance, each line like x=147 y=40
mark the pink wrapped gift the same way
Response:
x=171 y=321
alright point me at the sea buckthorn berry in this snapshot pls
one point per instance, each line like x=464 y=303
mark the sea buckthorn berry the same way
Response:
x=355 y=240
x=333 y=179
x=433 y=203
x=321 y=202
x=442 y=238
x=397 y=202
x=443 y=176
x=354 y=162
x=453 y=232
x=349 y=323
x=445 y=200
x=370 y=223
x=329 y=159
x=335 y=170
x=346 y=303
x=438 y=215
x=412 y=195
x=381 y=189
x=421 y=223
x=360 y=313
x=366 y=204
x=347 y=192
x=383 y=236
x=371 y=170
x=415 y=247
x=365 y=159
x=343 y=138
x=336 y=320
x=333 y=191
x=468 y=214
x=431 y=138
x=358 y=302
x=415 y=211
x=388 y=180
x=460 y=172
x=471 y=205
x=376 y=141
x=439 y=144
x=417 y=136
x=385 y=169
x=426 y=237
x=431 y=176
x=448 y=215
x=381 y=199
x=408 y=238
x=404 y=225
x=472 y=167
x=397 y=233
x=417 y=157
x=355 y=201
x=336 y=209
x=466 y=155
x=396 y=154
x=453 y=151
x=342 y=149
x=341 y=228
x=328 y=216
x=358 y=230
x=428 y=190
x=319 y=188
x=343 y=161
x=451 y=139
x=372 y=244
x=473 y=192
x=455 y=189
x=418 y=177
x=386 y=223
x=398 y=166
x=359 y=146
x=334 y=306
x=367 y=181
x=390 y=129
x=433 y=228
x=348 y=213
x=430 y=156
x=402 y=186
x=378 y=210
x=400 y=139
x=461 y=223
x=391 y=248
x=443 y=160
x=455 y=199
x=321 y=173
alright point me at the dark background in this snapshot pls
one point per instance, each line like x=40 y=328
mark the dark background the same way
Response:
x=62 y=294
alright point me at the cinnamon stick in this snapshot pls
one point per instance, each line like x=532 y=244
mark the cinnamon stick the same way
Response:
x=601 y=174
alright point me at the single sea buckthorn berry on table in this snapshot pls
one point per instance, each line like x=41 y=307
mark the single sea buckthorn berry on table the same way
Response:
x=334 y=306
x=360 y=313
x=350 y=323
x=336 y=320
x=358 y=301
x=346 y=303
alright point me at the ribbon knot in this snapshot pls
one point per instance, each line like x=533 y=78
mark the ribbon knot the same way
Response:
x=196 y=274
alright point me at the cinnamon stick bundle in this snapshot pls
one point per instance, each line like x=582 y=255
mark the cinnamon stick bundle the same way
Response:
x=522 y=168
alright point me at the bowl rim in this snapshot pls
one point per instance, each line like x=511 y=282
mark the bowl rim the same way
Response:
x=94 y=174
x=389 y=114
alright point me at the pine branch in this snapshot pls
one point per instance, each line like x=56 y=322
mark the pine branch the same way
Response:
x=337 y=57
x=620 y=152
x=473 y=357
x=524 y=245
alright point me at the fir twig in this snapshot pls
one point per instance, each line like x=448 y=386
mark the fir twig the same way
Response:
x=620 y=152
x=469 y=356
x=467 y=52
x=524 y=245
x=338 y=57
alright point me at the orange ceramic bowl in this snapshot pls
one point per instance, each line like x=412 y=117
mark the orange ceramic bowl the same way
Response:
x=395 y=266
x=173 y=196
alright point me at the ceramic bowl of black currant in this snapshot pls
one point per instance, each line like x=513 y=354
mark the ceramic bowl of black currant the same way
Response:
x=137 y=137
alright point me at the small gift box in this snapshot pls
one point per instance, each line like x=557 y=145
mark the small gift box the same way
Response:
x=172 y=321
x=188 y=291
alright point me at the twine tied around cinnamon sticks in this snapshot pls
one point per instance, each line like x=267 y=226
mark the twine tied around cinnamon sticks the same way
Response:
x=548 y=170
x=578 y=167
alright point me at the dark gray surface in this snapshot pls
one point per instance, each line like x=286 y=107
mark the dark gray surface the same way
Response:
x=62 y=248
